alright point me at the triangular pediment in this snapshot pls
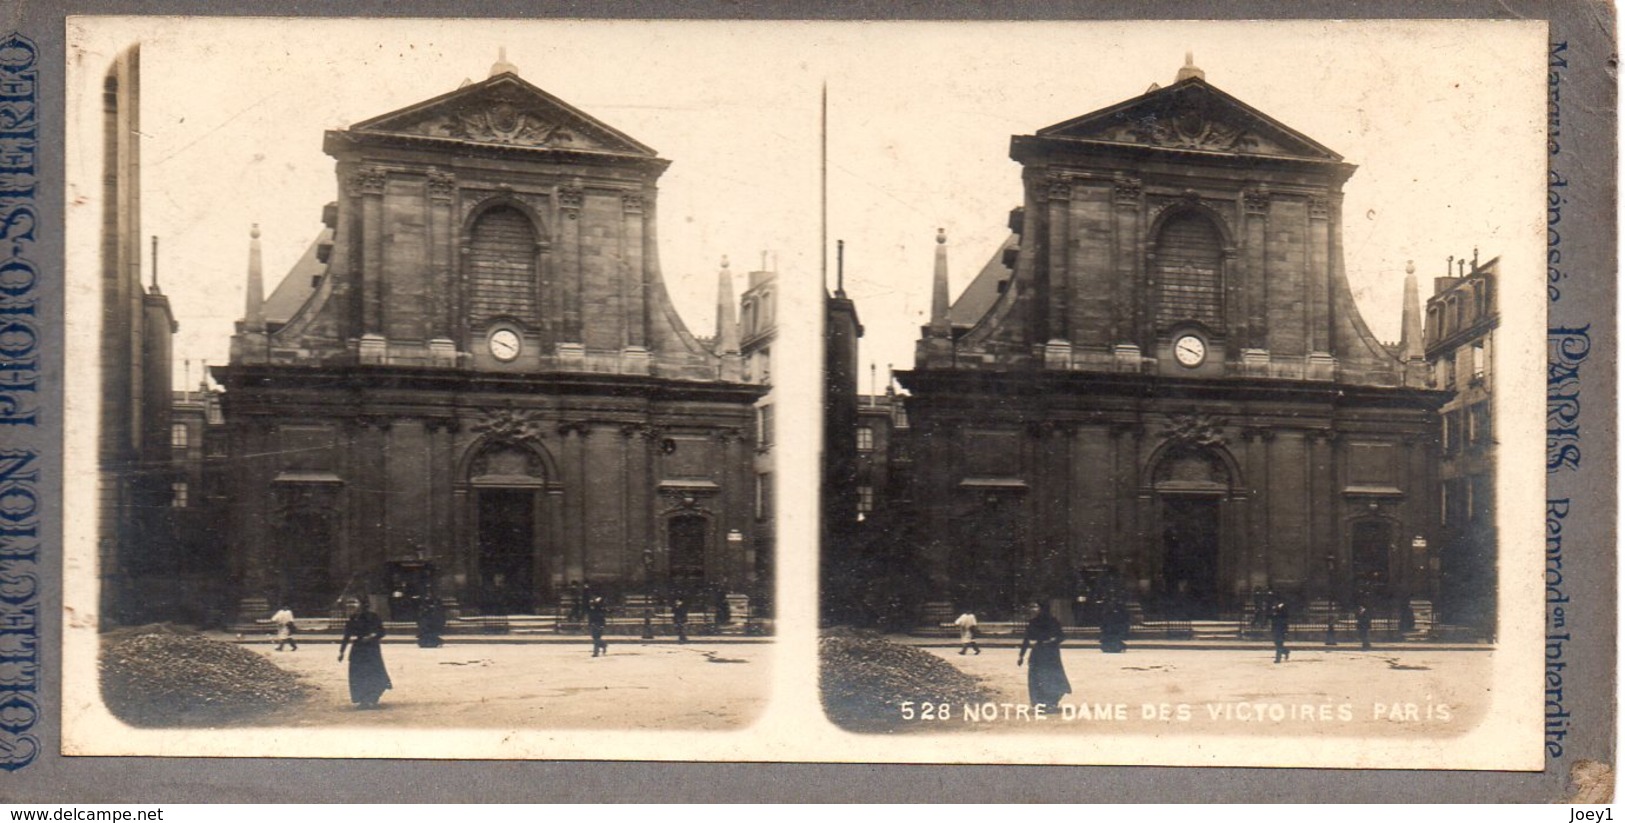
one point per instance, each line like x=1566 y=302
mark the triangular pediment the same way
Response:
x=1191 y=115
x=505 y=111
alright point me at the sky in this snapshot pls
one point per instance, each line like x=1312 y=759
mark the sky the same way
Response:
x=1448 y=142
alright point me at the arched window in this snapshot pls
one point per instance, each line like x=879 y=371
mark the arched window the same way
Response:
x=501 y=266
x=1189 y=272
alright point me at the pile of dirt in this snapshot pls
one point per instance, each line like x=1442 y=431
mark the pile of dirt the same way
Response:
x=162 y=676
x=866 y=678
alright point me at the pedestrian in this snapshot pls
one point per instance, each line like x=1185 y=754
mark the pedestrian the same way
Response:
x=679 y=619
x=1362 y=623
x=724 y=611
x=364 y=635
x=285 y=628
x=967 y=632
x=595 y=624
x=1280 y=621
x=1115 y=624
x=1046 y=679
x=431 y=622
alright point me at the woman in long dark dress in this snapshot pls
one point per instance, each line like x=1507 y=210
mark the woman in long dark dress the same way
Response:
x=1046 y=679
x=363 y=635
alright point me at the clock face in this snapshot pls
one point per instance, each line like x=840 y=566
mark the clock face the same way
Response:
x=504 y=344
x=1190 y=350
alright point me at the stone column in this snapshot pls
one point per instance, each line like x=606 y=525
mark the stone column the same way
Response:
x=634 y=294
x=1319 y=306
x=1059 y=202
x=444 y=292
x=369 y=183
x=1129 y=198
x=1255 y=267
x=570 y=200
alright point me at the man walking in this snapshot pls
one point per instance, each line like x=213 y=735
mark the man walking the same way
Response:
x=596 y=615
x=967 y=632
x=679 y=619
x=1280 y=621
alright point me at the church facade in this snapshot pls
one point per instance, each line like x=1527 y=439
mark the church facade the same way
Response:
x=1162 y=378
x=475 y=386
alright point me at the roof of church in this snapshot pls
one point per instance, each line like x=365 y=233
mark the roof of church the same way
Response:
x=504 y=110
x=1191 y=115
x=980 y=295
x=298 y=285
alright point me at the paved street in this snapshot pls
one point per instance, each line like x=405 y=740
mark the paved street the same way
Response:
x=540 y=685
x=1334 y=692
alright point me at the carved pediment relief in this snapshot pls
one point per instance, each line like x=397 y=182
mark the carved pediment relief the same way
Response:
x=503 y=121
x=1190 y=130
x=1192 y=116
x=505 y=111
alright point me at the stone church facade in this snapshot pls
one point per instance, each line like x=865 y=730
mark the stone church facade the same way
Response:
x=1163 y=376
x=475 y=385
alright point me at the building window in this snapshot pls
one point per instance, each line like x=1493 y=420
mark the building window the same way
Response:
x=866 y=439
x=178 y=495
x=1188 y=269
x=866 y=499
x=501 y=262
x=178 y=435
x=1450 y=370
x=764 y=495
x=764 y=425
x=899 y=415
x=1478 y=361
x=1478 y=418
x=764 y=366
x=1444 y=503
x=1445 y=439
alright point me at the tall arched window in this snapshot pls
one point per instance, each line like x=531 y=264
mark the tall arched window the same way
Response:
x=502 y=266
x=1189 y=272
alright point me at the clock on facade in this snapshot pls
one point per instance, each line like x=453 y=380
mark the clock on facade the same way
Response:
x=1190 y=350
x=504 y=344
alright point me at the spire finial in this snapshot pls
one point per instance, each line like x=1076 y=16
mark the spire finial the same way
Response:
x=726 y=341
x=254 y=311
x=941 y=325
x=840 y=269
x=502 y=66
x=1410 y=317
x=1190 y=70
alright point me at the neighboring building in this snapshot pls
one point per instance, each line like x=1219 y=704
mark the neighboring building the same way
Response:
x=136 y=352
x=1164 y=373
x=758 y=328
x=475 y=383
x=1462 y=317
x=841 y=563
x=188 y=579
x=882 y=455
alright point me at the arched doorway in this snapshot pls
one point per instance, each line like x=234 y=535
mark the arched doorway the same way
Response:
x=1191 y=485
x=306 y=540
x=686 y=536
x=1371 y=544
x=985 y=560
x=510 y=559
